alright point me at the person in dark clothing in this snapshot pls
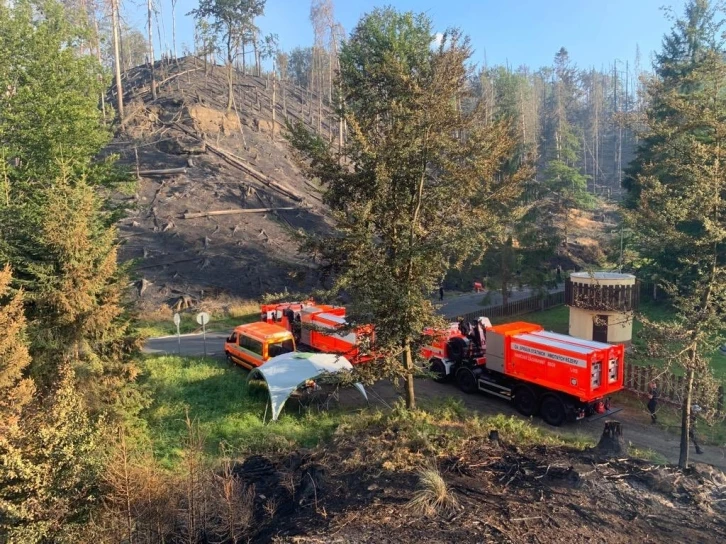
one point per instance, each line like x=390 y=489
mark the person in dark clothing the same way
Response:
x=464 y=327
x=695 y=410
x=558 y=274
x=479 y=337
x=441 y=292
x=652 y=401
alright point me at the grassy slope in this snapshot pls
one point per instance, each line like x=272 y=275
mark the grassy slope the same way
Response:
x=216 y=396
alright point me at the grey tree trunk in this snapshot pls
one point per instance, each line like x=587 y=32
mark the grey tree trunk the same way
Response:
x=117 y=59
x=151 y=51
x=686 y=420
x=410 y=391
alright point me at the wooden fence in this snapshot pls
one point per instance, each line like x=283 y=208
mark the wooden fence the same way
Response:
x=671 y=387
x=516 y=307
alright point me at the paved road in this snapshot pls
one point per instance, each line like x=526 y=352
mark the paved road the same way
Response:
x=192 y=345
x=455 y=305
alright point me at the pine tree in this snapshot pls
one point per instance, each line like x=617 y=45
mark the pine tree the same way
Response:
x=16 y=391
x=414 y=189
x=48 y=469
x=678 y=206
x=78 y=291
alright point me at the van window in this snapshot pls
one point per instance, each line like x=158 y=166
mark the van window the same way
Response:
x=233 y=338
x=250 y=344
x=278 y=348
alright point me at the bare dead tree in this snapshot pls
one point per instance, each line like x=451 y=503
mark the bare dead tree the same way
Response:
x=232 y=504
x=117 y=58
x=151 y=48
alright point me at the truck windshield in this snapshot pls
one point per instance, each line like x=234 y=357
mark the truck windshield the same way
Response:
x=278 y=348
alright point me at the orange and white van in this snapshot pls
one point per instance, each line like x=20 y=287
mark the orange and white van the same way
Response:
x=252 y=344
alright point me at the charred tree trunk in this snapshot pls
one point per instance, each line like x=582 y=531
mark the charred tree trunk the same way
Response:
x=229 y=71
x=612 y=441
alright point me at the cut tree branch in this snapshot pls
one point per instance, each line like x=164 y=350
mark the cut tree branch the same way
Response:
x=194 y=215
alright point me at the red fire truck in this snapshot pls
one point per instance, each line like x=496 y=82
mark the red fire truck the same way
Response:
x=319 y=327
x=557 y=376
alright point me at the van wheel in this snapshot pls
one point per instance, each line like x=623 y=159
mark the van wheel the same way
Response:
x=229 y=358
x=466 y=380
x=525 y=401
x=553 y=411
x=439 y=370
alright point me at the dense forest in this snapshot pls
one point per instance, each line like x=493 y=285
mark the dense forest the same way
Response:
x=430 y=165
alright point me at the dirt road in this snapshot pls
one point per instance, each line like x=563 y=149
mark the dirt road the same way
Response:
x=636 y=425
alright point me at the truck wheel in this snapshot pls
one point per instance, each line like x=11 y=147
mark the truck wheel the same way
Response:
x=466 y=380
x=525 y=401
x=553 y=411
x=439 y=369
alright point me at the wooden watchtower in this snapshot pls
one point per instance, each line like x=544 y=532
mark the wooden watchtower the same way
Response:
x=602 y=306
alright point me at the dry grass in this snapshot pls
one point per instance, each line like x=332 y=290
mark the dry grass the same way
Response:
x=433 y=496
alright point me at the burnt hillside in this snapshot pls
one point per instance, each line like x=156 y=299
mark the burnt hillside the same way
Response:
x=211 y=161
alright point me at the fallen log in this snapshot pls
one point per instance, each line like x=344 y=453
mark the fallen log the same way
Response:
x=194 y=215
x=239 y=162
x=163 y=172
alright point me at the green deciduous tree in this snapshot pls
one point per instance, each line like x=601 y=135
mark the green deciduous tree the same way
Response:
x=414 y=187
x=49 y=103
x=53 y=229
x=678 y=209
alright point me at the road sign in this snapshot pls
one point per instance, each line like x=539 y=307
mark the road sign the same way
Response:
x=177 y=319
x=203 y=319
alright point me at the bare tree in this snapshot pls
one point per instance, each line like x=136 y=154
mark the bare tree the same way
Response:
x=151 y=48
x=173 y=25
x=232 y=504
x=117 y=59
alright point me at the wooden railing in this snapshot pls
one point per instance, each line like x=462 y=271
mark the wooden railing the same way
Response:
x=623 y=298
x=671 y=387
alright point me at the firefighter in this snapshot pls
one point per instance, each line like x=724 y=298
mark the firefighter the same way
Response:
x=479 y=335
x=464 y=327
x=695 y=410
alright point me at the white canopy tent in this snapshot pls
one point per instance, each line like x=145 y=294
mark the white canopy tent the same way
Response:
x=285 y=373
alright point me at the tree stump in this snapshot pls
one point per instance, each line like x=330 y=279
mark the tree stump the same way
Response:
x=612 y=441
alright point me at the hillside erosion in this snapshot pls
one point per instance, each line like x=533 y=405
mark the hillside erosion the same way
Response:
x=220 y=203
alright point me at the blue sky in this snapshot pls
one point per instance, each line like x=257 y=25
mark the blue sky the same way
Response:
x=595 y=32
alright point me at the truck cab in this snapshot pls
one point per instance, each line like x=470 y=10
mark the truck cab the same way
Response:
x=251 y=345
